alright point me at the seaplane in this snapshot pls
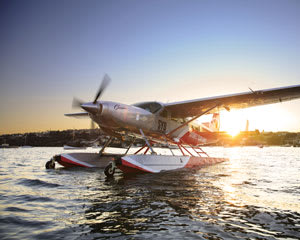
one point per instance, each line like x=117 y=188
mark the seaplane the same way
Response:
x=172 y=124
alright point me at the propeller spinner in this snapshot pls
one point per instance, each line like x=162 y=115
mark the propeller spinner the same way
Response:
x=93 y=107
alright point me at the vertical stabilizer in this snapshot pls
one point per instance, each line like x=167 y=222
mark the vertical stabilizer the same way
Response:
x=215 y=122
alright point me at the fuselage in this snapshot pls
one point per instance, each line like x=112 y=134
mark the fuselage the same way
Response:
x=119 y=117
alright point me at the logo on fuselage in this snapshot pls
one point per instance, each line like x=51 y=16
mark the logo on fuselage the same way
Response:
x=118 y=106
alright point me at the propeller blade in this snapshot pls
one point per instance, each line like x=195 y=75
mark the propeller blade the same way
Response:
x=106 y=80
x=76 y=103
x=92 y=124
x=92 y=127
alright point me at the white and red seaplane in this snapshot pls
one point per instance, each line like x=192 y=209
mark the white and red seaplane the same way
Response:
x=169 y=123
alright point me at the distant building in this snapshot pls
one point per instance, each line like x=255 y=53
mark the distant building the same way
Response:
x=247 y=126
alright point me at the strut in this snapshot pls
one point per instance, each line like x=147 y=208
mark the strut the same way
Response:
x=147 y=142
x=105 y=145
x=130 y=146
x=193 y=119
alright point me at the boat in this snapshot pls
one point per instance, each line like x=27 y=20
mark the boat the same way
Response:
x=25 y=146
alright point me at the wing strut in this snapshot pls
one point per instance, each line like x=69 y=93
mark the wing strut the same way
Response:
x=186 y=123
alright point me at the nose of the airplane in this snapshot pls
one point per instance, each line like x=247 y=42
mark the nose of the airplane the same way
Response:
x=92 y=108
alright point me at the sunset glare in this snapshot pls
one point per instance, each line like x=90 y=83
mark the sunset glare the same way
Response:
x=263 y=118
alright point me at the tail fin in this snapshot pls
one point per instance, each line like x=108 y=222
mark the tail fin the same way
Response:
x=215 y=122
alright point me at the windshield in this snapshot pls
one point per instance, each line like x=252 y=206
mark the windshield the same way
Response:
x=152 y=107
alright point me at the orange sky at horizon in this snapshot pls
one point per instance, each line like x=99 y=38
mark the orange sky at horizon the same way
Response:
x=52 y=51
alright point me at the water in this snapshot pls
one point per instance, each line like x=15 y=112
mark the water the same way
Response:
x=256 y=195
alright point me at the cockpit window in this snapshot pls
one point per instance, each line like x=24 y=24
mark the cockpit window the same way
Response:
x=152 y=107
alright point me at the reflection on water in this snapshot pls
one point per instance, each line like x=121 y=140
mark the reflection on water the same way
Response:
x=255 y=196
x=184 y=206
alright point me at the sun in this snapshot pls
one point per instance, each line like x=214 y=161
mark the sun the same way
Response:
x=233 y=132
x=269 y=118
x=263 y=118
x=233 y=122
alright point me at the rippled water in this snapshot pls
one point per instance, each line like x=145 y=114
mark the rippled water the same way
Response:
x=256 y=195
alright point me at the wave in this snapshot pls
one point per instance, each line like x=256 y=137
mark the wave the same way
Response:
x=37 y=182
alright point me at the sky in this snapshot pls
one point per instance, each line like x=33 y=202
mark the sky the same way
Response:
x=166 y=50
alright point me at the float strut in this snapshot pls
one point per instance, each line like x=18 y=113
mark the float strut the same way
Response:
x=130 y=146
x=147 y=142
x=105 y=145
x=168 y=146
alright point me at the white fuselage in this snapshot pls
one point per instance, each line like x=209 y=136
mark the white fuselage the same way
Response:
x=118 y=117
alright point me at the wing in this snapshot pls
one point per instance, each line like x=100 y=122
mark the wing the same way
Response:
x=77 y=115
x=234 y=101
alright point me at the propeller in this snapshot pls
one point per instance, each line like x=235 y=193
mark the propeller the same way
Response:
x=93 y=107
x=77 y=103
x=93 y=125
x=105 y=81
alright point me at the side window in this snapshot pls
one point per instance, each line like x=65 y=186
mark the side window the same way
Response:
x=162 y=126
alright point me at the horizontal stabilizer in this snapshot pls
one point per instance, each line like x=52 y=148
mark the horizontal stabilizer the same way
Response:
x=77 y=115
